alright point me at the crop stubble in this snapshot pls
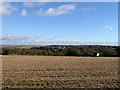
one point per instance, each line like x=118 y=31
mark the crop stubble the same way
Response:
x=59 y=71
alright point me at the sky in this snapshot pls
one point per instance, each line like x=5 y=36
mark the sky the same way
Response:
x=59 y=23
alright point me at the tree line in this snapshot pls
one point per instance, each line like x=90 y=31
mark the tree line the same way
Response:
x=58 y=50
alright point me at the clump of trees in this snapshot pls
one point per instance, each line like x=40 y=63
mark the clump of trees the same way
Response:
x=73 y=52
x=85 y=50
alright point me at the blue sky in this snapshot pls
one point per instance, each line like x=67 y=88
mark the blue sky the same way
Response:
x=60 y=23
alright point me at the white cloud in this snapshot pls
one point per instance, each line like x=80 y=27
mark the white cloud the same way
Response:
x=13 y=39
x=32 y=4
x=28 y=40
x=63 y=9
x=108 y=27
x=7 y=9
x=28 y=4
x=89 y=9
x=111 y=28
x=23 y=13
x=40 y=12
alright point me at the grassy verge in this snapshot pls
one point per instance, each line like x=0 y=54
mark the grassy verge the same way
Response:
x=69 y=79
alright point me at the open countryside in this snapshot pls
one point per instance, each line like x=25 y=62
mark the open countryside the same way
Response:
x=59 y=45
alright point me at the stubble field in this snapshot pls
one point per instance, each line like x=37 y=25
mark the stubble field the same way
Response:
x=59 y=72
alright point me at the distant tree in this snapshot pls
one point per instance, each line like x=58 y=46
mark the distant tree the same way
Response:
x=5 y=51
x=107 y=52
x=73 y=52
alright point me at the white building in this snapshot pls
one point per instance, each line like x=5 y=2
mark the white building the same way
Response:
x=98 y=54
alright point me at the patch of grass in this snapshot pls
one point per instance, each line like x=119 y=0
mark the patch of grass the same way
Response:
x=69 y=79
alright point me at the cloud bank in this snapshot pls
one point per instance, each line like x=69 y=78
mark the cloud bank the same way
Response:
x=63 y=9
x=27 y=40
x=7 y=9
x=89 y=9
x=32 y=4
x=23 y=13
x=108 y=27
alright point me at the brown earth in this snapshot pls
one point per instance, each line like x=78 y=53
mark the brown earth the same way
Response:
x=59 y=72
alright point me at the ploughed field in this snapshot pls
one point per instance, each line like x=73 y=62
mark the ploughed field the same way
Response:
x=59 y=72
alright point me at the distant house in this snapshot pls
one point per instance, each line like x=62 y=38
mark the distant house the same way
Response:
x=63 y=47
x=98 y=54
x=60 y=47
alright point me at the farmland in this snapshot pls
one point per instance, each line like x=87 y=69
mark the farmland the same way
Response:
x=59 y=72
